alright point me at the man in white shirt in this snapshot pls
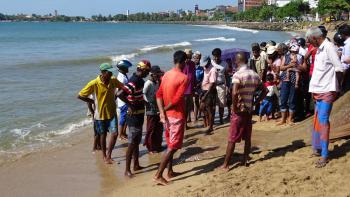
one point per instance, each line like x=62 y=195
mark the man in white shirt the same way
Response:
x=344 y=31
x=123 y=68
x=221 y=67
x=324 y=86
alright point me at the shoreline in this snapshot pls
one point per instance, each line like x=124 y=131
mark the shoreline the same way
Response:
x=265 y=26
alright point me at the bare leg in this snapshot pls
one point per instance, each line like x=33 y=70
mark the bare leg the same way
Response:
x=221 y=114
x=112 y=141
x=122 y=130
x=136 y=159
x=247 y=148
x=196 y=107
x=158 y=178
x=129 y=153
x=284 y=118
x=96 y=143
x=229 y=150
x=103 y=145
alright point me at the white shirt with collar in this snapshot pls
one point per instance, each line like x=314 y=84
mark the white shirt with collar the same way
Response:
x=327 y=63
x=346 y=53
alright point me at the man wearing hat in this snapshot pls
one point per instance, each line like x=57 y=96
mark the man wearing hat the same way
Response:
x=132 y=95
x=123 y=68
x=102 y=90
x=190 y=72
x=208 y=97
x=154 y=133
x=257 y=62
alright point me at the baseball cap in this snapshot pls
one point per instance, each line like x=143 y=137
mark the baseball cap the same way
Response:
x=271 y=50
x=106 y=67
x=124 y=64
x=188 y=51
x=155 y=70
x=205 y=61
x=144 y=65
x=197 y=53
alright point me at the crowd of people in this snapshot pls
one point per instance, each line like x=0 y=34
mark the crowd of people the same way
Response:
x=279 y=81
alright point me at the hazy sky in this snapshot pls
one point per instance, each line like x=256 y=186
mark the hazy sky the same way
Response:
x=105 y=7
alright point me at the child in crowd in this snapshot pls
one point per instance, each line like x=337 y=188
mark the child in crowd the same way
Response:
x=267 y=104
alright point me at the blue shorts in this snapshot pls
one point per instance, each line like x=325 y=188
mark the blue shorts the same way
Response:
x=103 y=126
x=123 y=111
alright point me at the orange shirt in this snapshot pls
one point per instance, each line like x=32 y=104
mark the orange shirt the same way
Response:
x=172 y=90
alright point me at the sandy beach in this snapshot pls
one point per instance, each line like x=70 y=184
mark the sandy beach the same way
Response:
x=280 y=166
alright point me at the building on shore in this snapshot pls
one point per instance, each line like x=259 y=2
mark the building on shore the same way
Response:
x=244 y=5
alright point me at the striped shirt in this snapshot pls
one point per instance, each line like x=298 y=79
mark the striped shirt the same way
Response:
x=134 y=90
x=248 y=81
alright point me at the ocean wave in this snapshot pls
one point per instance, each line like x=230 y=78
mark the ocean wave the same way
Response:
x=149 y=49
x=223 y=39
x=117 y=58
x=229 y=28
x=72 y=127
x=165 y=46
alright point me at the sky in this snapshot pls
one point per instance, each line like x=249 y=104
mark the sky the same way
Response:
x=91 y=7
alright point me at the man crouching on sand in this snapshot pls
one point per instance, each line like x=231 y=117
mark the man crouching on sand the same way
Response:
x=170 y=100
x=102 y=90
x=245 y=82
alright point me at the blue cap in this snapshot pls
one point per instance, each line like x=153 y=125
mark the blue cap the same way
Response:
x=124 y=64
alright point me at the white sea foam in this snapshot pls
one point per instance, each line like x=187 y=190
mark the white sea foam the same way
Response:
x=130 y=56
x=165 y=46
x=72 y=127
x=148 y=49
x=229 y=28
x=223 y=39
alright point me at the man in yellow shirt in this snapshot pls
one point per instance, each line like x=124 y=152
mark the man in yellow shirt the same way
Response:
x=103 y=90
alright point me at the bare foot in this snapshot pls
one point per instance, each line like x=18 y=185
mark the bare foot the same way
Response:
x=280 y=123
x=223 y=168
x=208 y=132
x=128 y=174
x=173 y=174
x=160 y=181
x=123 y=138
x=109 y=161
x=137 y=168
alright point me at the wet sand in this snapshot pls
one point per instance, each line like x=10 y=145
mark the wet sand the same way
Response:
x=280 y=166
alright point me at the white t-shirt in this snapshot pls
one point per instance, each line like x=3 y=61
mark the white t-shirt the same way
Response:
x=123 y=79
x=221 y=69
x=302 y=51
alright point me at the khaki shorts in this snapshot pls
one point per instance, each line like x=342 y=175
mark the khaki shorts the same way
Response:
x=221 y=95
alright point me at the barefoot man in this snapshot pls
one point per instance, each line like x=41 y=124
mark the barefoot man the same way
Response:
x=172 y=113
x=324 y=87
x=245 y=82
x=132 y=95
x=102 y=90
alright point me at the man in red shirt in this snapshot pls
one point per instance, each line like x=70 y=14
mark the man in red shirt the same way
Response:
x=172 y=113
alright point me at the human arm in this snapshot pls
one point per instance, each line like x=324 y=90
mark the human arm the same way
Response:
x=160 y=104
x=339 y=69
x=86 y=92
x=145 y=90
x=235 y=97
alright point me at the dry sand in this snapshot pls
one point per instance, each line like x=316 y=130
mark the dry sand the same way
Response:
x=280 y=166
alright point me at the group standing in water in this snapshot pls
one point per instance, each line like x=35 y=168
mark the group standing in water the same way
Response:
x=279 y=81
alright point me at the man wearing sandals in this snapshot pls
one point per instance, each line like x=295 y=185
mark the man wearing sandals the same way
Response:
x=324 y=86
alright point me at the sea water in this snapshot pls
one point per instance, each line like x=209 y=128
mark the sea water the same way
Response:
x=44 y=66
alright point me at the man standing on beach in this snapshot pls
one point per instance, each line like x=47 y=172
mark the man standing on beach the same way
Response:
x=245 y=82
x=123 y=68
x=328 y=71
x=198 y=86
x=154 y=133
x=172 y=113
x=132 y=95
x=103 y=90
x=208 y=96
x=190 y=72
x=221 y=87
